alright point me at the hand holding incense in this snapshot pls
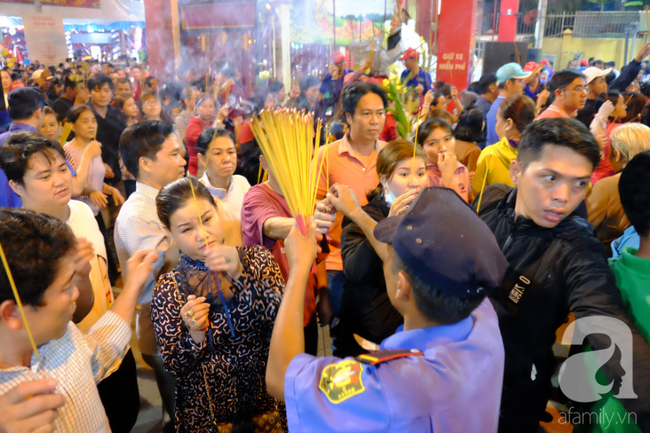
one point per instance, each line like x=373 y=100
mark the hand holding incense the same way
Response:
x=290 y=146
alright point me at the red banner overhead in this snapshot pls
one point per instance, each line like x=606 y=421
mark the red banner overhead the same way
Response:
x=457 y=26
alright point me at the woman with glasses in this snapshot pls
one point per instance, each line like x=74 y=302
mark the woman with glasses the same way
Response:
x=151 y=107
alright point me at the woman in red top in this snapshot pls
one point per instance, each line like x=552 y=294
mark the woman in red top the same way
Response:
x=604 y=169
x=205 y=119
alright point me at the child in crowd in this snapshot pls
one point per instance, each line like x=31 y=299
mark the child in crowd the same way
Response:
x=43 y=270
x=38 y=173
x=436 y=137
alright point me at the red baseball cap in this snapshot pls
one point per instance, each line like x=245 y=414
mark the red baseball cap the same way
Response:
x=337 y=57
x=410 y=53
x=530 y=67
x=584 y=62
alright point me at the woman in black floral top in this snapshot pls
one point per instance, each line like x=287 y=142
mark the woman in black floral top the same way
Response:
x=218 y=354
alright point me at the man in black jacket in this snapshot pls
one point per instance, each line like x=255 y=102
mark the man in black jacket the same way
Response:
x=557 y=266
x=110 y=124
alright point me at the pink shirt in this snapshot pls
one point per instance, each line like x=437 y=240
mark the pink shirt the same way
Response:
x=553 y=112
x=260 y=204
x=346 y=167
x=96 y=173
x=460 y=181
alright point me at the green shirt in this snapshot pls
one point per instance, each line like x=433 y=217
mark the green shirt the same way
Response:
x=633 y=280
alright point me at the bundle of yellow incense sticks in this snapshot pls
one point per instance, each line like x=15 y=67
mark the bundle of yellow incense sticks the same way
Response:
x=286 y=139
x=67 y=129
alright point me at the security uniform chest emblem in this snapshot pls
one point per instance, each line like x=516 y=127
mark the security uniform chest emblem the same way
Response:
x=341 y=381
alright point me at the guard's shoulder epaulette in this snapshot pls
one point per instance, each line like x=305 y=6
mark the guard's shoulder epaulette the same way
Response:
x=374 y=358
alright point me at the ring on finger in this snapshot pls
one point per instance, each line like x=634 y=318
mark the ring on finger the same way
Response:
x=227 y=259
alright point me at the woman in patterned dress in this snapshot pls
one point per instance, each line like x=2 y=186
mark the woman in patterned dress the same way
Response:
x=218 y=354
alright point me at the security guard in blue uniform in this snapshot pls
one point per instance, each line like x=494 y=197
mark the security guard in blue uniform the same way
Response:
x=442 y=371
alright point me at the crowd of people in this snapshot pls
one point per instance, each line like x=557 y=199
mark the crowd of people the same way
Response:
x=443 y=261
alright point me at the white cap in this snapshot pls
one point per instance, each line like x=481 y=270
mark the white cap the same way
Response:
x=593 y=72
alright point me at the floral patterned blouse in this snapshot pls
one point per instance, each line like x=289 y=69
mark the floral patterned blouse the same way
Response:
x=221 y=379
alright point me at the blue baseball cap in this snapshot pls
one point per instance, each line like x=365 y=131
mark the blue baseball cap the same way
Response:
x=29 y=98
x=442 y=241
x=510 y=71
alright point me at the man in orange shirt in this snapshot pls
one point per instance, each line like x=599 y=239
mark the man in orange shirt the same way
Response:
x=569 y=87
x=352 y=161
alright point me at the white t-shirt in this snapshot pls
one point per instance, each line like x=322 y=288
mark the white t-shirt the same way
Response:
x=234 y=197
x=229 y=206
x=83 y=225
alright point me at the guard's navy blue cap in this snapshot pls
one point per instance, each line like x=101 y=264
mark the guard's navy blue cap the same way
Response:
x=26 y=97
x=442 y=241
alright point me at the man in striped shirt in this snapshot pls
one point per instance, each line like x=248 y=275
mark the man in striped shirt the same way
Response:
x=41 y=253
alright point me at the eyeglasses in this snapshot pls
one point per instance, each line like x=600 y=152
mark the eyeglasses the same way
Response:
x=578 y=89
x=152 y=102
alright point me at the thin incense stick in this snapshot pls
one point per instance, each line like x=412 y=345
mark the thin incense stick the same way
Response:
x=415 y=141
x=327 y=162
x=487 y=169
x=517 y=52
x=317 y=175
x=647 y=21
x=259 y=174
x=417 y=127
x=18 y=302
